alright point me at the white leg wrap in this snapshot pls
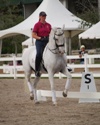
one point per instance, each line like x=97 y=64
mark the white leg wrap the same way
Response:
x=30 y=87
x=35 y=95
x=53 y=96
x=68 y=83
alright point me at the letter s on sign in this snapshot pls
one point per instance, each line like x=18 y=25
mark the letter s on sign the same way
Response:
x=87 y=78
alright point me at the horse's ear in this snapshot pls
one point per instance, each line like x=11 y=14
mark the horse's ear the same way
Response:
x=54 y=29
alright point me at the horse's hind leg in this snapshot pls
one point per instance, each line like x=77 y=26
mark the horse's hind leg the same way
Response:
x=32 y=87
x=68 y=82
x=36 y=80
x=28 y=74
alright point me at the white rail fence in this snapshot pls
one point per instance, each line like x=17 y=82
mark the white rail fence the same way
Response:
x=16 y=71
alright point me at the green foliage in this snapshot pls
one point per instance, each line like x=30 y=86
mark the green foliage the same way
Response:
x=88 y=11
x=89 y=16
x=11 y=43
x=9 y=17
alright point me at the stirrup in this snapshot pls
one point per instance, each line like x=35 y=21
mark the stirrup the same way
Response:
x=37 y=74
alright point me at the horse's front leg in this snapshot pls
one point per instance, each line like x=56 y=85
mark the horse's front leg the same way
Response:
x=68 y=82
x=36 y=80
x=51 y=79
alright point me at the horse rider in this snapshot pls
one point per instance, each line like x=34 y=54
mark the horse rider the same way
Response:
x=40 y=32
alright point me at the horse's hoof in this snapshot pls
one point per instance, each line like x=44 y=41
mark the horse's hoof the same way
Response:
x=54 y=103
x=31 y=97
x=37 y=102
x=64 y=94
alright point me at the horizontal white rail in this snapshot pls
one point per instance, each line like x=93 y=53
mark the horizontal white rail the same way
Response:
x=88 y=95
x=83 y=65
x=10 y=58
x=13 y=70
x=88 y=56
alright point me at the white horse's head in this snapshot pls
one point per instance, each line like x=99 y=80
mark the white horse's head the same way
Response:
x=59 y=39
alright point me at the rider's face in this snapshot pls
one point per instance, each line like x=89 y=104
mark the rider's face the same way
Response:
x=42 y=18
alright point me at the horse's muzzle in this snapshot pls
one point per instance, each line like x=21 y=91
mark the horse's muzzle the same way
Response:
x=61 y=52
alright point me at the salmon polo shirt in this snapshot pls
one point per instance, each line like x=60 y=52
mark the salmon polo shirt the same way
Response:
x=42 y=29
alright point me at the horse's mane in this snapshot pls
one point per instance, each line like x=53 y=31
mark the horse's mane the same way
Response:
x=51 y=34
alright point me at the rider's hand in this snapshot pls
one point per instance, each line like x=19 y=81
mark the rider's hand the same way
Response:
x=39 y=38
x=44 y=39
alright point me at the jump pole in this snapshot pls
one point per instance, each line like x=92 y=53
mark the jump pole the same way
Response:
x=87 y=94
x=42 y=94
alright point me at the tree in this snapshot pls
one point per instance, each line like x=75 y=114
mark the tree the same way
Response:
x=11 y=15
x=88 y=11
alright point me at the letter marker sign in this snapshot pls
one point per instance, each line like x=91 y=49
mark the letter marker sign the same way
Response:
x=87 y=85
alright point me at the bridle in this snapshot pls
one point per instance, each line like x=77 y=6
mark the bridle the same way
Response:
x=57 y=46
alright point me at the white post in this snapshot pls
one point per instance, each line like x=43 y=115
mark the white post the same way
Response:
x=0 y=47
x=85 y=62
x=66 y=45
x=14 y=66
x=70 y=49
x=79 y=43
x=60 y=75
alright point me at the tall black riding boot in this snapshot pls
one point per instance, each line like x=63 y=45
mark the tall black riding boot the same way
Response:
x=37 y=67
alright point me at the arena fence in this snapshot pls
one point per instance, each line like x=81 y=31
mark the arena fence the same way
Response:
x=10 y=66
